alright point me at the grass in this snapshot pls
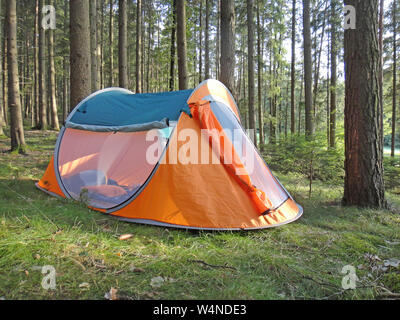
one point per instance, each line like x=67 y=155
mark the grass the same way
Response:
x=302 y=260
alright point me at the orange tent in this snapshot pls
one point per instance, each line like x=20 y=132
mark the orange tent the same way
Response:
x=178 y=159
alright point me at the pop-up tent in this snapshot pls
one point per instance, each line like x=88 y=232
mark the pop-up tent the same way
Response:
x=176 y=159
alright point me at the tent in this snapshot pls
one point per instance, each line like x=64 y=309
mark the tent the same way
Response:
x=175 y=159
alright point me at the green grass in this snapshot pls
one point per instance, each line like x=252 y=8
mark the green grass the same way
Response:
x=302 y=260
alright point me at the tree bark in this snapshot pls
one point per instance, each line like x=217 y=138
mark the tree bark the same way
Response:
x=394 y=105
x=334 y=49
x=42 y=75
x=14 y=99
x=218 y=40
x=93 y=46
x=5 y=74
x=65 y=66
x=100 y=43
x=201 y=42
x=138 y=45
x=111 y=45
x=172 y=50
x=227 y=56
x=181 y=39
x=54 y=114
x=36 y=67
x=381 y=30
x=1 y=76
x=207 y=43
x=80 y=73
x=293 y=71
x=259 y=74
x=309 y=121
x=250 y=68
x=123 y=45
x=364 y=185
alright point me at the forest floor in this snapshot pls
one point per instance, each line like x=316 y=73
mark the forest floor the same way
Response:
x=302 y=260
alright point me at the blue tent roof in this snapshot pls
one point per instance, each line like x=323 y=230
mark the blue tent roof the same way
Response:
x=117 y=108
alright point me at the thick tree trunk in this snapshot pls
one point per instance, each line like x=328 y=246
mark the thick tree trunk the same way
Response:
x=80 y=73
x=172 y=55
x=364 y=184
x=14 y=99
x=138 y=46
x=54 y=114
x=227 y=56
x=42 y=75
x=309 y=122
x=123 y=45
x=181 y=39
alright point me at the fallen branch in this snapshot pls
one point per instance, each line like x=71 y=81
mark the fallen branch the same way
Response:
x=213 y=266
x=388 y=293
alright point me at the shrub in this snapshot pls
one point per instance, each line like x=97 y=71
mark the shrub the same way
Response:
x=296 y=154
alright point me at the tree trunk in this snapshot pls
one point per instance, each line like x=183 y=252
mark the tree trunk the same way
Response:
x=181 y=39
x=1 y=76
x=309 y=122
x=259 y=74
x=172 y=56
x=5 y=74
x=36 y=67
x=381 y=30
x=123 y=45
x=218 y=44
x=111 y=45
x=334 y=49
x=201 y=42
x=93 y=46
x=65 y=66
x=54 y=114
x=42 y=75
x=101 y=46
x=227 y=55
x=14 y=99
x=293 y=71
x=138 y=45
x=394 y=105
x=207 y=42
x=250 y=69
x=364 y=184
x=80 y=73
